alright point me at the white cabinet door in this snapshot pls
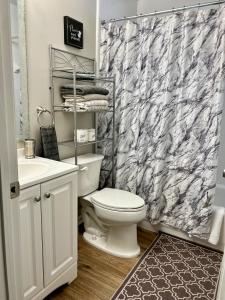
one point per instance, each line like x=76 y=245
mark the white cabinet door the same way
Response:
x=59 y=225
x=31 y=241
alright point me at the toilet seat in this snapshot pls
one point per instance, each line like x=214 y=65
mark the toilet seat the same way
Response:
x=117 y=200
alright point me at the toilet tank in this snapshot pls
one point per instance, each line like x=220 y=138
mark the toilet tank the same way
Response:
x=89 y=173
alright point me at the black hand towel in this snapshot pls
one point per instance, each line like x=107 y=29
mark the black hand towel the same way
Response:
x=49 y=143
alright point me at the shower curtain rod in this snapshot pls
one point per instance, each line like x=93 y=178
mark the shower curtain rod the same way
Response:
x=166 y=11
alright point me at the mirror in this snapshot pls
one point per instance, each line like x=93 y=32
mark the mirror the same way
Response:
x=18 y=38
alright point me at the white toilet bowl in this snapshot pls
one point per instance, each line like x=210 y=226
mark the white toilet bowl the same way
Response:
x=119 y=212
x=110 y=216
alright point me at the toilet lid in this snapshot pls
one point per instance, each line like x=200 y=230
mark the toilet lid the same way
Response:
x=117 y=200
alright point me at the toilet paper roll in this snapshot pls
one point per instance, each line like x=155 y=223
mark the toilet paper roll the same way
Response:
x=91 y=135
x=82 y=135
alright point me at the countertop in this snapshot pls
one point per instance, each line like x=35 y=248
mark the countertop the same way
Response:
x=47 y=170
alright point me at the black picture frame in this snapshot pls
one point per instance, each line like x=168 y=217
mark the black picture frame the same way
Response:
x=73 y=32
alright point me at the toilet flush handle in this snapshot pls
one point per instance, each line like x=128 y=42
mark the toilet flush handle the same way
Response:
x=83 y=169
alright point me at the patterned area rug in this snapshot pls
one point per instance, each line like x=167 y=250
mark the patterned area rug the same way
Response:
x=173 y=269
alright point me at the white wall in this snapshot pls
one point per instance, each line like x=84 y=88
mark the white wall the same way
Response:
x=145 y=6
x=44 y=23
x=45 y=26
x=118 y=8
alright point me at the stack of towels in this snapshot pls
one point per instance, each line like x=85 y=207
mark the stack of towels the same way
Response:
x=88 y=98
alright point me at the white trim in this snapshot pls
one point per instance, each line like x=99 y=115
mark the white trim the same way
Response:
x=8 y=157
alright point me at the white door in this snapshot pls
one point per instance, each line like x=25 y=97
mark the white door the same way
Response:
x=59 y=225
x=31 y=241
x=8 y=160
x=3 y=290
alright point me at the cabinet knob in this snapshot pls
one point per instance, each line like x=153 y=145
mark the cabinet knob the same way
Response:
x=47 y=195
x=37 y=198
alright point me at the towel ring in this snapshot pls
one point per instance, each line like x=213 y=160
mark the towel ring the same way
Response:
x=40 y=111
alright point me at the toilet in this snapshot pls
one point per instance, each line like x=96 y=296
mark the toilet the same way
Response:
x=110 y=215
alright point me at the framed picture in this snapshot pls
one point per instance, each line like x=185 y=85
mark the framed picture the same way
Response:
x=73 y=32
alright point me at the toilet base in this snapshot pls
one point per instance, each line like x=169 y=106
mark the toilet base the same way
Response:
x=120 y=241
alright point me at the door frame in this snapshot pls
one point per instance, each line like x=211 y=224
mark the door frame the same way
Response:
x=8 y=158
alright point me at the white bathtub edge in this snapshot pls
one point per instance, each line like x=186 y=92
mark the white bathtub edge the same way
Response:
x=169 y=230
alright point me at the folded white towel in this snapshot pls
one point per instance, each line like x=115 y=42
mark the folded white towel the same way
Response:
x=84 y=98
x=85 y=108
x=87 y=103
x=68 y=103
x=93 y=103
x=217 y=221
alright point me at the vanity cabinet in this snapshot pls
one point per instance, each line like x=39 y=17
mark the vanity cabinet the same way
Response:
x=48 y=235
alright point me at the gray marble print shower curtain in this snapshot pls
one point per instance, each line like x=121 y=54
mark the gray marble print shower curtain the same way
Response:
x=169 y=97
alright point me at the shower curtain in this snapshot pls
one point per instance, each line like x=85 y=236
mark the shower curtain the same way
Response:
x=169 y=96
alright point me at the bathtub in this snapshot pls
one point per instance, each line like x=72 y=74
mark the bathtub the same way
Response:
x=219 y=203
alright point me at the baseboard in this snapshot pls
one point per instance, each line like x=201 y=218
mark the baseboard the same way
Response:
x=66 y=277
x=169 y=230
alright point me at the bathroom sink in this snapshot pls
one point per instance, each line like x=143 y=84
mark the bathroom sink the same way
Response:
x=31 y=169
x=38 y=170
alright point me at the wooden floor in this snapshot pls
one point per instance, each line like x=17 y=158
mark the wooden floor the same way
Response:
x=99 y=274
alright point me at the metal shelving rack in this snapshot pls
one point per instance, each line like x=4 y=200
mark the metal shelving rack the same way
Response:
x=69 y=66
